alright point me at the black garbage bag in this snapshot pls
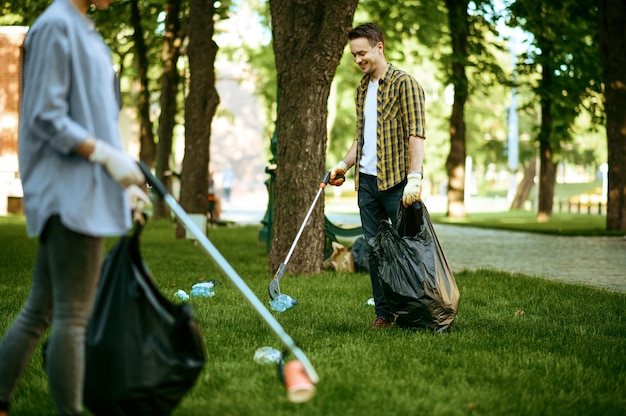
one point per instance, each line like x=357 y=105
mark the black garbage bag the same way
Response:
x=413 y=271
x=143 y=353
x=360 y=255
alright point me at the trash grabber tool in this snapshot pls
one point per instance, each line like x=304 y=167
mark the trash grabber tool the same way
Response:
x=184 y=218
x=274 y=286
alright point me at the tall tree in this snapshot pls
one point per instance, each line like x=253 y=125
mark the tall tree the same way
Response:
x=612 y=15
x=200 y=107
x=564 y=52
x=309 y=37
x=172 y=47
x=455 y=164
x=147 y=148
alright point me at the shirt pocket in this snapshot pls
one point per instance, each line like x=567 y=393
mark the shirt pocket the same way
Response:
x=390 y=106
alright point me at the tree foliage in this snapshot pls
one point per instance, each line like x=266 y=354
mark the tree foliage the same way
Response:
x=560 y=77
x=563 y=50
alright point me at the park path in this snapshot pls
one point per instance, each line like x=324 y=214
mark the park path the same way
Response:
x=596 y=261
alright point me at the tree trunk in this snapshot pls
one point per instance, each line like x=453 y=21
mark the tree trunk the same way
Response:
x=525 y=185
x=146 y=135
x=172 y=43
x=547 y=178
x=309 y=37
x=613 y=53
x=455 y=164
x=200 y=107
x=547 y=169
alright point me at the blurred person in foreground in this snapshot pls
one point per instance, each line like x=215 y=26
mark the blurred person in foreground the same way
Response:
x=79 y=187
x=388 y=151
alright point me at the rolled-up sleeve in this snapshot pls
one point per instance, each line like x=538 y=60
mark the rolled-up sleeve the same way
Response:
x=413 y=104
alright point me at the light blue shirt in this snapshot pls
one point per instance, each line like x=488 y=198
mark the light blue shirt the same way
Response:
x=68 y=95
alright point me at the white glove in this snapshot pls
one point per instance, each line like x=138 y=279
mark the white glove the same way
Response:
x=137 y=199
x=413 y=189
x=122 y=168
x=339 y=170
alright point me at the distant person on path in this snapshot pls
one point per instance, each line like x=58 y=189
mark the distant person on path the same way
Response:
x=388 y=151
x=79 y=187
x=228 y=176
x=215 y=205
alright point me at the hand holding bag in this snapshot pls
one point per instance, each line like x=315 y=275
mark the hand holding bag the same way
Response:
x=413 y=271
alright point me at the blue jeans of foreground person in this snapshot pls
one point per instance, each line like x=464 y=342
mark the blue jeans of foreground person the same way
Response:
x=66 y=272
x=376 y=206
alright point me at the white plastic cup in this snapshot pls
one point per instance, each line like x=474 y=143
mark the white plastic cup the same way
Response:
x=299 y=386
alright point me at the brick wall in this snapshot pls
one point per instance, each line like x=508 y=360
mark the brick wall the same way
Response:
x=11 y=38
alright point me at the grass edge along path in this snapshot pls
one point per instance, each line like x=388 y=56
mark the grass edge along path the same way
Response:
x=520 y=346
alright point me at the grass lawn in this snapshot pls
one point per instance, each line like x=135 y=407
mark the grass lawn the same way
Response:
x=560 y=223
x=520 y=346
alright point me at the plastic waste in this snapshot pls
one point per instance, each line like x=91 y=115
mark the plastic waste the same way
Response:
x=267 y=355
x=282 y=302
x=369 y=302
x=204 y=289
x=182 y=294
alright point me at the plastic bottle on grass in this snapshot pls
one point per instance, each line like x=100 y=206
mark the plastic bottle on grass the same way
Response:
x=267 y=355
x=369 y=302
x=204 y=289
x=182 y=294
x=282 y=302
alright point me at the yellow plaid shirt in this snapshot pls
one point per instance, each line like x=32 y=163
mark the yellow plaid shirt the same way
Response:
x=400 y=114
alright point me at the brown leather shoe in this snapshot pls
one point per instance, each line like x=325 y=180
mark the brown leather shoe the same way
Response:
x=381 y=322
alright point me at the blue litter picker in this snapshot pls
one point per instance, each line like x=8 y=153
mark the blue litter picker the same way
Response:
x=267 y=316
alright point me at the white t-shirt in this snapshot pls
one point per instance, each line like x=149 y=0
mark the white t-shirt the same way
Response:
x=368 y=153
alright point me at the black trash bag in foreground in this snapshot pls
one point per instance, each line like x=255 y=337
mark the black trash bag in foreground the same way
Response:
x=413 y=271
x=143 y=353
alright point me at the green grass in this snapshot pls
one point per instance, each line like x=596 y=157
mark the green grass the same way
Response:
x=520 y=346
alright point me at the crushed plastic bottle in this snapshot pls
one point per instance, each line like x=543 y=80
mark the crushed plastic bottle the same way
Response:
x=204 y=289
x=369 y=302
x=182 y=294
x=267 y=355
x=282 y=302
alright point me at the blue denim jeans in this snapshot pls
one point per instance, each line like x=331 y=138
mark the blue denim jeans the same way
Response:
x=376 y=206
x=67 y=269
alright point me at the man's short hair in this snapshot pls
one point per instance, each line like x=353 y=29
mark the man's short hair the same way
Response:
x=369 y=31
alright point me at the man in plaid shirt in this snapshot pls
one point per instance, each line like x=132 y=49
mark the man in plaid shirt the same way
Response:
x=389 y=147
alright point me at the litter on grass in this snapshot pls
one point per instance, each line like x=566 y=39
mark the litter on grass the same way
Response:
x=204 y=289
x=200 y=289
x=182 y=294
x=369 y=302
x=282 y=302
x=267 y=355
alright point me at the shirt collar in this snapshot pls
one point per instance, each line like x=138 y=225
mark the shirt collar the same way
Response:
x=383 y=79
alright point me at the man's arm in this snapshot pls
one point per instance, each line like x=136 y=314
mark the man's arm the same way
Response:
x=416 y=154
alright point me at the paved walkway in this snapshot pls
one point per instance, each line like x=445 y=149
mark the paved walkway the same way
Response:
x=597 y=261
